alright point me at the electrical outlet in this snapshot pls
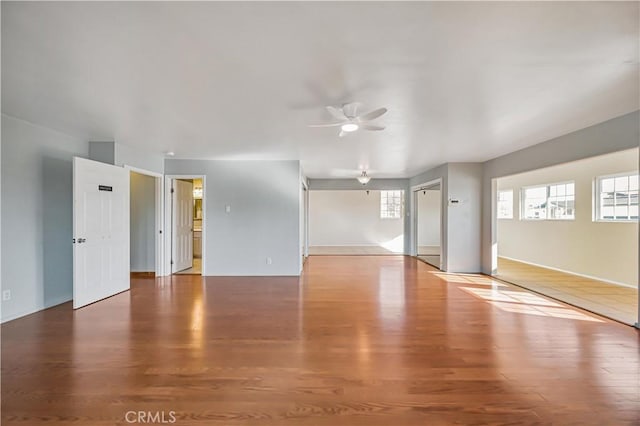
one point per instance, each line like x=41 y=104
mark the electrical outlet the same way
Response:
x=6 y=295
x=269 y=261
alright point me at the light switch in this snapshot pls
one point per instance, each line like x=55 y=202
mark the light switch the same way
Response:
x=227 y=209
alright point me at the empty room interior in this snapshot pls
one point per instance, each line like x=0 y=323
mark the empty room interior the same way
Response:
x=320 y=213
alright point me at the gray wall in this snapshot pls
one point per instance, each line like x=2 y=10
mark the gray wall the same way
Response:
x=146 y=160
x=264 y=197
x=463 y=218
x=143 y=219
x=614 y=135
x=37 y=253
x=122 y=155
x=374 y=184
x=461 y=233
x=105 y=152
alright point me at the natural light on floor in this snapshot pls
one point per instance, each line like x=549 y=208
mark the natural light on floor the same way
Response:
x=468 y=279
x=527 y=303
x=395 y=245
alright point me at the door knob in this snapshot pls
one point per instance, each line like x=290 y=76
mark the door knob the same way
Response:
x=81 y=240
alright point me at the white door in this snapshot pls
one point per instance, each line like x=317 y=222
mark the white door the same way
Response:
x=100 y=231
x=182 y=225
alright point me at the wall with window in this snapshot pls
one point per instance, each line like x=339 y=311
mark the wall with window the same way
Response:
x=355 y=218
x=557 y=220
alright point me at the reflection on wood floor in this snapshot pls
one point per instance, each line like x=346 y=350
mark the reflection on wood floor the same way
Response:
x=348 y=250
x=357 y=340
x=611 y=300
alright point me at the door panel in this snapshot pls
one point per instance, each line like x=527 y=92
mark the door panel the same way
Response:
x=183 y=225
x=100 y=230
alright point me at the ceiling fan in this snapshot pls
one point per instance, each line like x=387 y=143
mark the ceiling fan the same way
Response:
x=350 y=121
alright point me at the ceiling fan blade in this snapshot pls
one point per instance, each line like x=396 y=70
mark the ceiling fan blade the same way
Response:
x=336 y=113
x=373 y=114
x=326 y=125
x=367 y=126
x=350 y=110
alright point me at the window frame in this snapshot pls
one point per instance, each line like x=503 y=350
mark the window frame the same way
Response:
x=511 y=217
x=384 y=195
x=547 y=187
x=597 y=191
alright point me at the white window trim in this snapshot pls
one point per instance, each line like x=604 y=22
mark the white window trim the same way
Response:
x=596 y=198
x=546 y=185
x=401 y=213
x=498 y=204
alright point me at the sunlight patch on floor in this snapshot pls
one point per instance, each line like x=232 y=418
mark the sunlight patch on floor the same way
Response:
x=527 y=303
x=468 y=279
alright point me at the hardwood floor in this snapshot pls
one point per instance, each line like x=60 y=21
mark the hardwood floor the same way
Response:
x=348 y=250
x=367 y=340
x=613 y=301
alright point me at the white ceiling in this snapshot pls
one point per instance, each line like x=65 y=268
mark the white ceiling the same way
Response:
x=462 y=81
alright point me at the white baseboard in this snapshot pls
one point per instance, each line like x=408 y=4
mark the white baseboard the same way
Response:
x=568 y=272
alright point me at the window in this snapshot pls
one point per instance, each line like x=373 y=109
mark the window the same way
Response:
x=561 y=201
x=391 y=204
x=505 y=204
x=617 y=197
x=555 y=201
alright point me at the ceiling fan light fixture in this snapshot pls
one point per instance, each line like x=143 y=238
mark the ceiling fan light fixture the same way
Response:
x=364 y=178
x=349 y=127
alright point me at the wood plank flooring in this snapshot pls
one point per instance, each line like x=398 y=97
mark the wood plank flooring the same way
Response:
x=348 y=250
x=366 y=340
x=611 y=300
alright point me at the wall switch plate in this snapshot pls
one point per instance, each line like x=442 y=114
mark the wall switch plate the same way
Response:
x=6 y=295
x=269 y=261
x=227 y=209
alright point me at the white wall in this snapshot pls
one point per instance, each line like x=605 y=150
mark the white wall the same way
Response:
x=373 y=185
x=428 y=220
x=264 y=197
x=143 y=218
x=351 y=218
x=613 y=135
x=37 y=202
x=603 y=250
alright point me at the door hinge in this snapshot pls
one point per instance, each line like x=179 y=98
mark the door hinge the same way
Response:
x=172 y=190
x=172 y=261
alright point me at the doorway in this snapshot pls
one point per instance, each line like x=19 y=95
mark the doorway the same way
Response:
x=146 y=216
x=186 y=221
x=427 y=200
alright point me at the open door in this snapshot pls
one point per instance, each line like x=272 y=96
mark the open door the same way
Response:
x=182 y=225
x=100 y=231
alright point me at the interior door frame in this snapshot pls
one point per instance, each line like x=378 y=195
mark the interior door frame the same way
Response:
x=414 y=218
x=168 y=219
x=159 y=216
